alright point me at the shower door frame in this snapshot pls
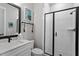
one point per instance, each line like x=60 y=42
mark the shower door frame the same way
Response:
x=76 y=31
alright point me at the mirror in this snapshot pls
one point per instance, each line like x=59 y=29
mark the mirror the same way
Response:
x=9 y=20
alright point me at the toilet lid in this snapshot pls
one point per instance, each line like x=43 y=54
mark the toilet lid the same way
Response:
x=37 y=51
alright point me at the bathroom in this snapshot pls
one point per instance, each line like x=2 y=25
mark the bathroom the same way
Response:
x=31 y=29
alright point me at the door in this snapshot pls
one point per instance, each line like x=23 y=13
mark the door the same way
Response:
x=49 y=34
x=65 y=33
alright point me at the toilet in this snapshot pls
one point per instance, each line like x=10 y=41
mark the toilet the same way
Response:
x=37 y=52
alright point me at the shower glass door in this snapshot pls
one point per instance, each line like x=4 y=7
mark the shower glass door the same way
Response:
x=48 y=34
x=65 y=33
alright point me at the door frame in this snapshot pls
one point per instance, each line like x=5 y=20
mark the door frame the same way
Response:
x=76 y=25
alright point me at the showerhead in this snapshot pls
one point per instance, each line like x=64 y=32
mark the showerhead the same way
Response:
x=72 y=12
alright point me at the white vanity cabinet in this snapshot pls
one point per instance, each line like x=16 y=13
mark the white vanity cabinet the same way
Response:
x=23 y=50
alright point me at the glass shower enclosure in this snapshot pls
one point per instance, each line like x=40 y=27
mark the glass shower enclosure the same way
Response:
x=61 y=32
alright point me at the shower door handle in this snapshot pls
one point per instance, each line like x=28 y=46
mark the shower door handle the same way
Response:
x=56 y=34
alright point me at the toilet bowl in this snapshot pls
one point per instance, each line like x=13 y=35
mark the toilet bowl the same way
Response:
x=37 y=52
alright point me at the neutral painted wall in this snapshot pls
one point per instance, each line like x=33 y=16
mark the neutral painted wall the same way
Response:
x=38 y=10
x=11 y=16
x=38 y=24
x=27 y=34
x=37 y=19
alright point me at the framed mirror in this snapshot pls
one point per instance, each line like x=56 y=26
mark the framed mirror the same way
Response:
x=10 y=20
